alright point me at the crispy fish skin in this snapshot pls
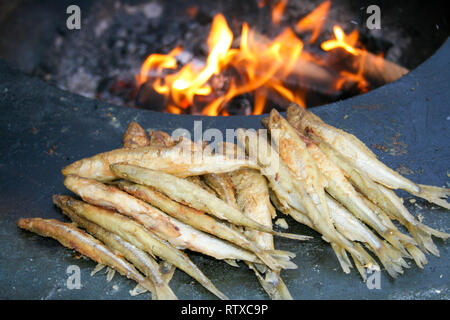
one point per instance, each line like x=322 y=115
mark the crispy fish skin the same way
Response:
x=105 y=196
x=72 y=237
x=178 y=160
x=161 y=139
x=252 y=195
x=216 y=183
x=342 y=190
x=275 y=170
x=151 y=218
x=349 y=147
x=292 y=148
x=199 y=181
x=184 y=191
x=135 y=136
x=140 y=259
x=291 y=194
x=143 y=239
x=164 y=140
x=355 y=230
x=221 y=183
x=197 y=219
x=388 y=201
x=294 y=153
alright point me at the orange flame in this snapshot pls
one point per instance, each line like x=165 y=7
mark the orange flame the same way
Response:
x=314 y=21
x=342 y=41
x=260 y=65
x=158 y=62
x=278 y=10
x=348 y=43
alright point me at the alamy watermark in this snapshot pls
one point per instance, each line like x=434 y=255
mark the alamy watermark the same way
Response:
x=73 y=21
x=74 y=279
x=373 y=280
x=374 y=20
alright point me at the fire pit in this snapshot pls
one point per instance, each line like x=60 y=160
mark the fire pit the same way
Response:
x=224 y=58
x=45 y=128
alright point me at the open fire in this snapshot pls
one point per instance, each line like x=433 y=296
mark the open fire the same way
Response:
x=284 y=68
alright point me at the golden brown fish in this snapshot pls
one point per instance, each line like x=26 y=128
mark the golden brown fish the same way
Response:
x=252 y=194
x=143 y=239
x=72 y=237
x=350 y=147
x=201 y=221
x=361 y=157
x=141 y=260
x=135 y=136
x=293 y=195
x=180 y=160
x=155 y=220
x=184 y=191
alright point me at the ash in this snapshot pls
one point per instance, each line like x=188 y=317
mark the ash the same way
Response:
x=102 y=59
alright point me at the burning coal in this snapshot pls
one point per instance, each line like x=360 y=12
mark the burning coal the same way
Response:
x=255 y=64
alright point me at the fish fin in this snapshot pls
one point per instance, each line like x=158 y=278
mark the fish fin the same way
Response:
x=282 y=292
x=342 y=256
x=167 y=270
x=272 y=284
x=423 y=238
x=391 y=259
x=138 y=289
x=285 y=264
x=164 y=292
x=110 y=272
x=360 y=268
x=434 y=232
x=231 y=262
x=418 y=256
x=281 y=253
x=398 y=239
x=434 y=195
x=365 y=258
x=292 y=236
x=97 y=268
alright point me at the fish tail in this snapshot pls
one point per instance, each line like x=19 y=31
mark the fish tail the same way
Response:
x=434 y=195
x=272 y=284
x=283 y=258
x=397 y=240
x=434 y=232
x=359 y=267
x=163 y=292
x=417 y=255
x=285 y=264
x=342 y=257
x=291 y=235
x=281 y=254
x=423 y=238
x=363 y=259
x=391 y=259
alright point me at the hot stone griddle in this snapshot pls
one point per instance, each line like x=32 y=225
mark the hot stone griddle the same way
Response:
x=42 y=129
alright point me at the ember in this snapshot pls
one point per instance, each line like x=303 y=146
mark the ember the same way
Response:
x=264 y=67
x=277 y=52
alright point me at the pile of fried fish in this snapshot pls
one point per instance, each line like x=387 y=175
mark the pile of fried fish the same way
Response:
x=142 y=205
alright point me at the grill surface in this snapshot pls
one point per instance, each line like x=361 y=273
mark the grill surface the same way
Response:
x=43 y=129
